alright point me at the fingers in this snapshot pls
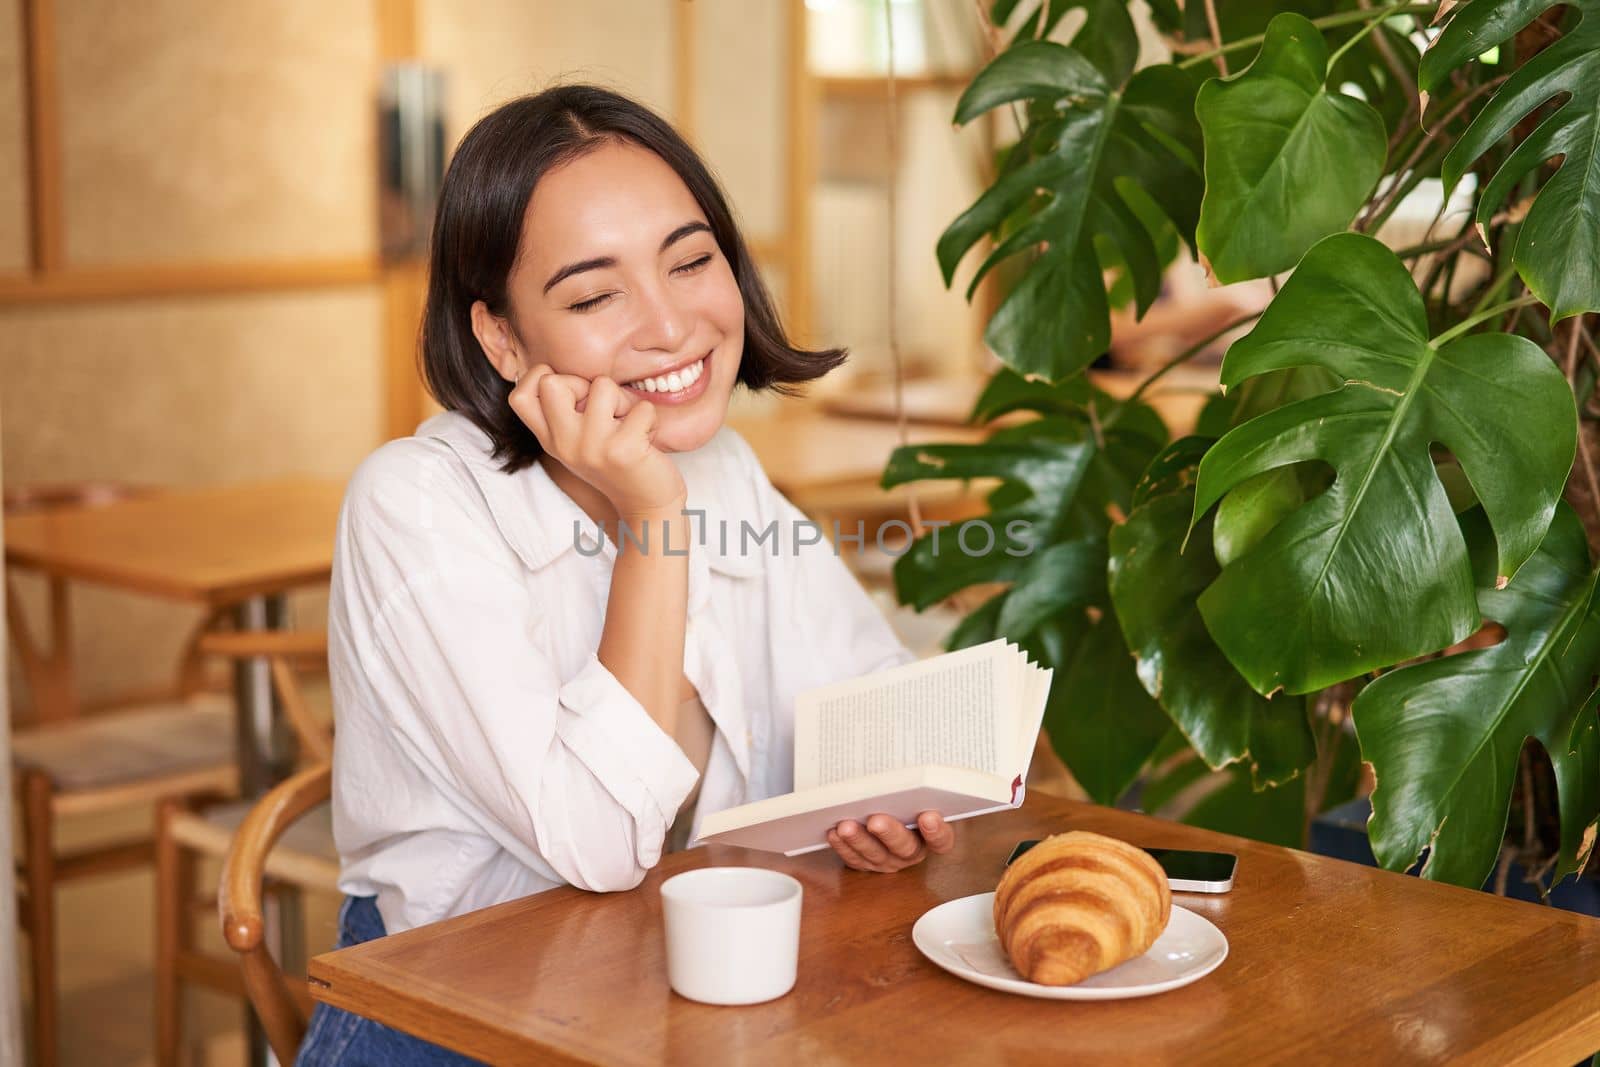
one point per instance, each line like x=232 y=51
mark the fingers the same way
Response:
x=599 y=415
x=938 y=835
x=902 y=844
x=524 y=400
x=847 y=852
x=876 y=847
x=885 y=845
x=558 y=401
x=639 y=424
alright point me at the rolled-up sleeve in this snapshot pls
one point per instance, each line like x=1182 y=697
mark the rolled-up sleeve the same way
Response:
x=566 y=773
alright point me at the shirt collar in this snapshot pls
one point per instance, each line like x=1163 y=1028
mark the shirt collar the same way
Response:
x=541 y=522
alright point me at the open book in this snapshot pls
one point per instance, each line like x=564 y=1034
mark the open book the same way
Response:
x=952 y=734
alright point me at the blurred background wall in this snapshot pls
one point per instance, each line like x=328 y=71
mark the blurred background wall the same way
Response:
x=191 y=290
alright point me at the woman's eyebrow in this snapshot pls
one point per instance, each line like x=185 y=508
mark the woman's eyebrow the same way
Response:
x=604 y=262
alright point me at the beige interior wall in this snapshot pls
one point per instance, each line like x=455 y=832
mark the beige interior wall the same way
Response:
x=182 y=392
x=195 y=132
x=741 y=99
x=493 y=50
x=194 y=391
x=937 y=175
x=13 y=124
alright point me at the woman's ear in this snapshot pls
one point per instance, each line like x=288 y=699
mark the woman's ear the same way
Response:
x=494 y=335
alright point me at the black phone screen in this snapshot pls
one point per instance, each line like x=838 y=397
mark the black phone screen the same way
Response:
x=1183 y=865
x=1180 y=864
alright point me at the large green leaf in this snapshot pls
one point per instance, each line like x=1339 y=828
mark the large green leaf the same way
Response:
x=1444 y=736
x=1287 y=161
x=1558 y=249
x=1059 y=578
x=1060 y=477
x=1009 y=392
x=1100 y=721
x=1047 y=470
x=1098 y=149
x=1106 y=37
x=1276 y=814
x=1374 y=570
x=1154 y=583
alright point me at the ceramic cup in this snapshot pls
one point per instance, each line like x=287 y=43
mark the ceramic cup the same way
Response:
x=733 y=934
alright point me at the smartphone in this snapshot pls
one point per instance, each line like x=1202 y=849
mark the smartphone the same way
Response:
x=1187 y=871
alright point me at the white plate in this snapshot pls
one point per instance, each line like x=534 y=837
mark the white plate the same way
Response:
x=959 y=936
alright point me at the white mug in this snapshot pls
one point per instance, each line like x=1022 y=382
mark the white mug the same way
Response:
x=733 y=934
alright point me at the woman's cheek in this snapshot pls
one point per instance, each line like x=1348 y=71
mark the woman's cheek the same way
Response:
x=583 y=349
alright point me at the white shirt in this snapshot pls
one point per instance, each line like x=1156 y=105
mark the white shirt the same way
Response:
x=483 y=752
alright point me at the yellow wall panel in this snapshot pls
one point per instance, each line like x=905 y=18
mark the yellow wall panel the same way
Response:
x=493 y=50
x=13 y=144
x=183 y=392
x=741 y=80
x=203 y=132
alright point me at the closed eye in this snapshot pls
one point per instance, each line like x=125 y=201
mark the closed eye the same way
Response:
x=693 y=266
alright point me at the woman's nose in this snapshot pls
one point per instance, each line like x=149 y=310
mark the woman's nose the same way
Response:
x=662 y=322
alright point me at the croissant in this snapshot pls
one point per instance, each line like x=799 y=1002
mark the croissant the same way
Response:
x=1077 y=904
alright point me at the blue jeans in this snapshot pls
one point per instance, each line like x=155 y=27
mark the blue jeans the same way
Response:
x=339 y=1037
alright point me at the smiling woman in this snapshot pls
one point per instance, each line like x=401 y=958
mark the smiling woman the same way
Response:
x=565 y=217
x=514 y=715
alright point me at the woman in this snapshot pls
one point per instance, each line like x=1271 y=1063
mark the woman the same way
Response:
x=524 y=702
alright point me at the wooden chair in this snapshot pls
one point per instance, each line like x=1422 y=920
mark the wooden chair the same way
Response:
x=178 y=740
x=284 y=1008
x=48 y=673
x=304 y=859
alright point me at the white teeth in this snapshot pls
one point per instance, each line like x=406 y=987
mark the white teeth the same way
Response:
x=674 y=382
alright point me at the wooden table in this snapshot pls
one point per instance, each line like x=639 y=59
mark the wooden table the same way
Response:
x=1178 y=397
x=239 y=546
x=809 y=452
x=1330 y=962
x=215 y=546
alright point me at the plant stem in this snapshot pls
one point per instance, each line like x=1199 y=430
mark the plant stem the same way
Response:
x=1216 y=36
x=1189 y=353
x=1496 y=287
x=1438 y=244
x=1401 y=75
x=1343 y=18
x=1355 y=39
x=1586 y=460
x=1472 y=320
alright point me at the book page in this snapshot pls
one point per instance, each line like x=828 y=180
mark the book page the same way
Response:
x=954 y=709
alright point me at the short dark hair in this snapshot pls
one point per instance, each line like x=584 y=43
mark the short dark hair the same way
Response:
x=478 y=226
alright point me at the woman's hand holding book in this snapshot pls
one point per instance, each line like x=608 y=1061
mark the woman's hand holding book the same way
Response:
x=885 y=846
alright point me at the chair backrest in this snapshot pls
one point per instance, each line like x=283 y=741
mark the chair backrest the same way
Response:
x=52 y=689
x=283 y=1015
x=286 y=651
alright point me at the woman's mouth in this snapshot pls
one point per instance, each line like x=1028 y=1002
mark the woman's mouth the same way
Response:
x=679 y=386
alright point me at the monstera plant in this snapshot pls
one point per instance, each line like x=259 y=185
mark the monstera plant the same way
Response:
x=1376 y=553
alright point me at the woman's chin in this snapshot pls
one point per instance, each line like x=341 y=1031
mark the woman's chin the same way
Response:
x=693 y=430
